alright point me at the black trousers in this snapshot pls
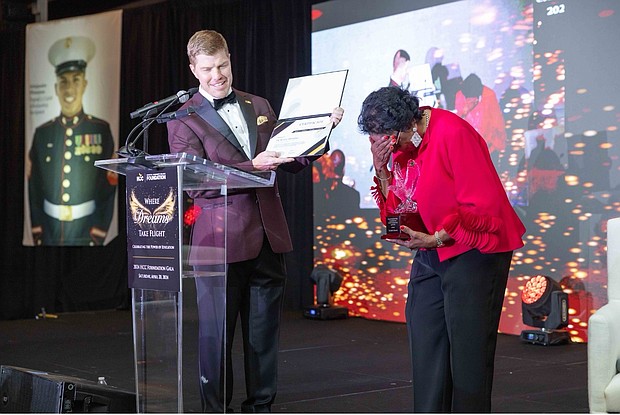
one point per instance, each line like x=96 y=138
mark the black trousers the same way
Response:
x=254 y=291
x=453 y=311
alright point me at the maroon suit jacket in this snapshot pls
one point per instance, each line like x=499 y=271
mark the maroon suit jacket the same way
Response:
x=252 y=213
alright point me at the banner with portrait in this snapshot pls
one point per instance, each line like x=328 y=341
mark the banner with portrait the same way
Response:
x=72 y=100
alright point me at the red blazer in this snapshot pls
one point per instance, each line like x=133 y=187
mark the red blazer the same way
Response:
x=252 y=213
x=459 y=189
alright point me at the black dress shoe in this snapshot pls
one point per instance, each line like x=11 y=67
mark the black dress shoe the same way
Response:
x=256 y=408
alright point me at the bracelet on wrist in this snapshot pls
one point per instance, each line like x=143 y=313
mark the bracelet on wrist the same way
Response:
x=386 y=178
x=438 y=240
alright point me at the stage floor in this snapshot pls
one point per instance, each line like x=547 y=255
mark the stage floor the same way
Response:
x=351 y=365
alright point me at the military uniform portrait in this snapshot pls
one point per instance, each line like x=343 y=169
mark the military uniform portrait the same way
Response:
x=71 y=201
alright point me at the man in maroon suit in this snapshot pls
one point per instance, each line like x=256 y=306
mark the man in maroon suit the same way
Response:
x=232 y=127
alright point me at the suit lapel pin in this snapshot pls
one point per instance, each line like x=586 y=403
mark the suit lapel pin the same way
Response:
x=261 y=120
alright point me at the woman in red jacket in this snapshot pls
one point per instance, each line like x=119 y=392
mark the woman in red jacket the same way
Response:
x=433 y=171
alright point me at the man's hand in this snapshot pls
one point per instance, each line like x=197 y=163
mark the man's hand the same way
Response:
x=37 y=234
x=336 y=116
x=97 y=235
x=269 y=160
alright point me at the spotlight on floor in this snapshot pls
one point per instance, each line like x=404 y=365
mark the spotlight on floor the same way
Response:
x=327 y=282
x=544 y=305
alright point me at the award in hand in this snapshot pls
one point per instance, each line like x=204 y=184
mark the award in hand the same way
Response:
x=406 y=213
x=304 y=124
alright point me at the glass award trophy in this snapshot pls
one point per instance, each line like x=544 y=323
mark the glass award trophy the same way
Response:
x=406 y=213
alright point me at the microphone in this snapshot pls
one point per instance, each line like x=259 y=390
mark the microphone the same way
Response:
x=169 y=116
x=129 y=149
x=181 y=96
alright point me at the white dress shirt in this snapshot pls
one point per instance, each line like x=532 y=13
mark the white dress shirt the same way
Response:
x=232 y=115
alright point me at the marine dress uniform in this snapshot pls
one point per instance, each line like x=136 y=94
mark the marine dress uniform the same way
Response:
x=70 y=198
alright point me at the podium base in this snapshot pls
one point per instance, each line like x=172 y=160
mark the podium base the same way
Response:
x=545 y=337
x=326 y=312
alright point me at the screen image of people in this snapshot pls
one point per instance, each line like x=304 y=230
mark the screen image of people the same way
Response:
x=547 y=121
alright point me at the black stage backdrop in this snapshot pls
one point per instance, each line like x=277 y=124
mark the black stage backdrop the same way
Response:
x=269 y=42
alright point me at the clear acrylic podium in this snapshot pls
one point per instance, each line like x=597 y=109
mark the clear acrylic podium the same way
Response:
x=158 y=313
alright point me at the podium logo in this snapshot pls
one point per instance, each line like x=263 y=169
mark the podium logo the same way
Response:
x=152 y=218
x=155 y=176
x=140 y=177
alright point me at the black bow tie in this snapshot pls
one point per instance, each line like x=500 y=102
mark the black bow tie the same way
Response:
x=229 y=99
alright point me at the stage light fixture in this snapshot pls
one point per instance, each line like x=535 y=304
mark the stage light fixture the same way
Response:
x=327 y=282
x=544 y=305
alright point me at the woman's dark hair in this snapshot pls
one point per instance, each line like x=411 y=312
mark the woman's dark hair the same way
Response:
x=388 y=109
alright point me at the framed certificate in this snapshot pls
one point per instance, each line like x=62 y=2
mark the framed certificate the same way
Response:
x=304 y=127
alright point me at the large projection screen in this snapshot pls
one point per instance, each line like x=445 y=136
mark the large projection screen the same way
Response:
x=552 y=134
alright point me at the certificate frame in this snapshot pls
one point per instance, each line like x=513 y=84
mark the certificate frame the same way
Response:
x=304 y=124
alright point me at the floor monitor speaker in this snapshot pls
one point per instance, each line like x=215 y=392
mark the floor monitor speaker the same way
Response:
x=31 y=391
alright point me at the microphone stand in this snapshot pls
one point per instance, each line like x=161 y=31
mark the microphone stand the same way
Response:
x=145 y=135
x=128 y=150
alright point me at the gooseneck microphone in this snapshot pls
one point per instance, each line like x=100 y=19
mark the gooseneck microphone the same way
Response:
x=129 y=149
x=169 y=116
x=181 y=96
